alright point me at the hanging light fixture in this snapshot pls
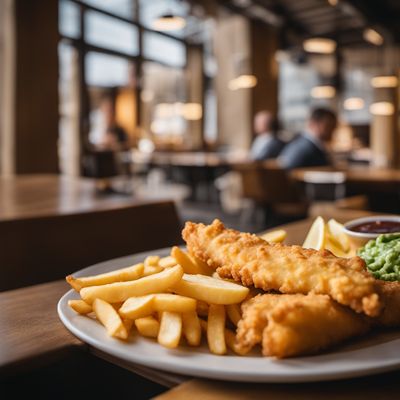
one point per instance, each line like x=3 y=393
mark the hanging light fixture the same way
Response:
x=319 y=45
x=353 y=104
x=244 y=78
x=169 y=22
x=373 y=37
x=389 y=81
x=384 y=108
x=323 y=92
x=242 y=82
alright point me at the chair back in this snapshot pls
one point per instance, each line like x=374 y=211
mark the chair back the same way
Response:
x=267 y=183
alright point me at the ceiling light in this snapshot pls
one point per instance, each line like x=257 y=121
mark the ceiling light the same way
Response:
x=323 y=92
x=372 y=36
x=384 y=81
x=169 y=22
x=192 y=111
x=353 y=103
x=333 y=3
x=382 y=108
x=319 y=45
x=242 y=82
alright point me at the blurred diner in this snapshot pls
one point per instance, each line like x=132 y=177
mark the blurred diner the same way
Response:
x=266 y=144
x=309 y=149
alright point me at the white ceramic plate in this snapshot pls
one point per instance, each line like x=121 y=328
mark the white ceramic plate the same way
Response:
x=369 y=355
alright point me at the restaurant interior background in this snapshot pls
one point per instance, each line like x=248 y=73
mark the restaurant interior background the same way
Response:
x=185 y=91
x=178 y=83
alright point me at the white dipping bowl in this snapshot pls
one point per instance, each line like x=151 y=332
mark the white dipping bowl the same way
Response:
x=359 y=239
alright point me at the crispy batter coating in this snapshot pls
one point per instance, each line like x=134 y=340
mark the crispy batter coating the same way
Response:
x=292 y=325
x=390 y=295
x=289 y=269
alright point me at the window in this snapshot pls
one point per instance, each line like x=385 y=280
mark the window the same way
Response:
x=163 y=49
x=104 y=70
x=104 y=31
x=123 y=8
x=69 y=14
x=99 y=75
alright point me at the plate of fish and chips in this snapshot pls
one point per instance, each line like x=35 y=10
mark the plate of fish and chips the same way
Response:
x=237 y=306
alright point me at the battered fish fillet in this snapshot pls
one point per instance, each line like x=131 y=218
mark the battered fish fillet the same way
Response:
x=390 y=296
x=292 y=325
x=289 y=269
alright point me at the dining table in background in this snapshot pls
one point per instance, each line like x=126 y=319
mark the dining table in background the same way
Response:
x=358 y=177
x=22 y=348
x=52 y=223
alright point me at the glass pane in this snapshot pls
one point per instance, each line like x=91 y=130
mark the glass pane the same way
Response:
x=69 y=19
x=123 y=8
x=151 y=10
x=111 y=33
x=163 y=100
x=160 y=48
x=105 y=70
x=68 y=139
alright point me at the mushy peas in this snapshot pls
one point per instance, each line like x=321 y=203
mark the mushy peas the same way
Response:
x=382 y=257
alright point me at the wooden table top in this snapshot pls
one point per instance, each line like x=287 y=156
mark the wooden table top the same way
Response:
x=31 y=332
x=189 y=158
x=355 y=174
x=25 y=196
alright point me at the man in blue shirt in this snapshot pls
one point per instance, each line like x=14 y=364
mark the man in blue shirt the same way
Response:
x=309 y=148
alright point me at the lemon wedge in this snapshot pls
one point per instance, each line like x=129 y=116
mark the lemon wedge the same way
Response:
x=316 y=235
x=336 y=231
x=333 y=247
x=276 y=236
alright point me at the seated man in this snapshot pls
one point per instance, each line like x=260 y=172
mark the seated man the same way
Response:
x=309 y=148
x=266 y=144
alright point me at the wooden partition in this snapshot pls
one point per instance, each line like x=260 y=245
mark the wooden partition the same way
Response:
x=35 y=250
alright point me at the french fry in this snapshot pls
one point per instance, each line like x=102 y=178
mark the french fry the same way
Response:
x=120 y=275
x=173 y=303
x=121 y=291
x=202 y=308
x=230 y=340
x=151 y=269
x=203 y=325
x=234 y=314
x=80 y=306
x=210 y=290
x=137 y=307
x=151 y=261
x=167 y=262
x=216 y=329
x=128 y=325
x=191 y=328
x=183 y=259
x=170 y=329
x=147 y=326
x=107 y=315
x=207 y=270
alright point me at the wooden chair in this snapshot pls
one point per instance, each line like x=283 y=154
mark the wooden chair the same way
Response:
x=270 y=187
x=35 y=250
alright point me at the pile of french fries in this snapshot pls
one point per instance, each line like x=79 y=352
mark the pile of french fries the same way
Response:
x=175 y=299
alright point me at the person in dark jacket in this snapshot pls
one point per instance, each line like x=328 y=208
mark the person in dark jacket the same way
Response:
x=266 y=145
x=309 y=148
